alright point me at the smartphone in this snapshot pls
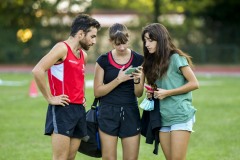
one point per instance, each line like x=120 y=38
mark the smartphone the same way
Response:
x=131 y=70
x=149 y=88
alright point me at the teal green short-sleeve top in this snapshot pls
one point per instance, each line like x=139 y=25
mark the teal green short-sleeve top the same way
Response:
x=178 y=108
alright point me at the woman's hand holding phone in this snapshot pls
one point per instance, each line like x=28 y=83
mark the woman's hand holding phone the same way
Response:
x=131 y=70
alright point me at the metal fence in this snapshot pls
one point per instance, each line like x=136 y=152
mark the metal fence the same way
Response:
x=214 y=54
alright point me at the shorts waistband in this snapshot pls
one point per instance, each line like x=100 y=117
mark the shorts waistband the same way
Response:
x=120 y=105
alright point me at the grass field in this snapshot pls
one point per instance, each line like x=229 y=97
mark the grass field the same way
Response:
x=216 y=136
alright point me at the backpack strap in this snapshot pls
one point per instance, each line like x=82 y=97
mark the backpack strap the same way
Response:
x=95 y=102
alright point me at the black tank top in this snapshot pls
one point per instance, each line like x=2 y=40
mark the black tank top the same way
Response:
x=123 y=94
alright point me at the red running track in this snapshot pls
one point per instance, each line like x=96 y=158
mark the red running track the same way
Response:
x=198 y=69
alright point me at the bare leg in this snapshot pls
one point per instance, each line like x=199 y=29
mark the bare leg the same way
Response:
x=165 y=141
x=74 y=145
x=179 y=144
x=109 y=146
x=131 y=147
x=60 y=146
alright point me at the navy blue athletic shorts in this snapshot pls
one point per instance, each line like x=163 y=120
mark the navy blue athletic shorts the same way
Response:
x=69 y=120
x=121 y=121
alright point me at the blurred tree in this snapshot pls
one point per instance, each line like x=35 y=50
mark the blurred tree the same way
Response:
x=23 y=24
x=223 y=20
x=156 y=10
x=209 y=26
x=196 y=25
x=16 y=13
x=219 y=30
x=142 y=6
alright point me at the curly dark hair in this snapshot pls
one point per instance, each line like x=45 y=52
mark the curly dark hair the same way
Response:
x=83 y=22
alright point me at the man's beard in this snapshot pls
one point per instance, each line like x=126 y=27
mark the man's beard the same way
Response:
x=84 y=45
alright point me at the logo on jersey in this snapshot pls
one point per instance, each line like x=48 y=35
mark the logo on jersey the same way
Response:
x=72 y=61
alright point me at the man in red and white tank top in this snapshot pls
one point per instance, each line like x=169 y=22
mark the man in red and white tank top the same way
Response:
x=66 y=115
x=67 y=77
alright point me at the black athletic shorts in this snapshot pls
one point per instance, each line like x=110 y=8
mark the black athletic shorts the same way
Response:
x=121 y=121
x=69 y=120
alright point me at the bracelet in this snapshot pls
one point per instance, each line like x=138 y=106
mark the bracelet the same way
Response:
x=137 y=81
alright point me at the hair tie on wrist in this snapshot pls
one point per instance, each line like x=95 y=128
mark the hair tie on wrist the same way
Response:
x=137 y=81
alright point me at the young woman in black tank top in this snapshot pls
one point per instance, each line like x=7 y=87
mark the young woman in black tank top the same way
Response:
x=118 y=112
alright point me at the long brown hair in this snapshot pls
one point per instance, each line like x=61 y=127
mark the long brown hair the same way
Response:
x=156 y=65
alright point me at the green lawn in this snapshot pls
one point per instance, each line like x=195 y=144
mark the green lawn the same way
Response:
x=216 y=136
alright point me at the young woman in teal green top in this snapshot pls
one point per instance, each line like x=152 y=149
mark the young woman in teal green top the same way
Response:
x=168 y=68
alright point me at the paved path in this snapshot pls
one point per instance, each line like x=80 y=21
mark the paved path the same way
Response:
x=199 y=69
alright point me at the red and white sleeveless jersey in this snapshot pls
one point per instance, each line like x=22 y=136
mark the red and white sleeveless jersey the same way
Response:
x=68 y=77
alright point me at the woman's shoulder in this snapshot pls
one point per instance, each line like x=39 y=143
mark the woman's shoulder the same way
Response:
x=102 y=60
x=137 y=54
x=177 y=56
x=103 y=56
x=138 y=58
x=178 y=59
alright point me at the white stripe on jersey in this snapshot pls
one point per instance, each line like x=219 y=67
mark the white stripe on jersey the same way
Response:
x=57 y=71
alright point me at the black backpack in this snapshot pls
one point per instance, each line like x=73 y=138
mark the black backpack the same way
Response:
x=92 y=145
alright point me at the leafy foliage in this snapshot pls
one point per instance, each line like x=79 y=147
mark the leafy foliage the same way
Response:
x=206 y=23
